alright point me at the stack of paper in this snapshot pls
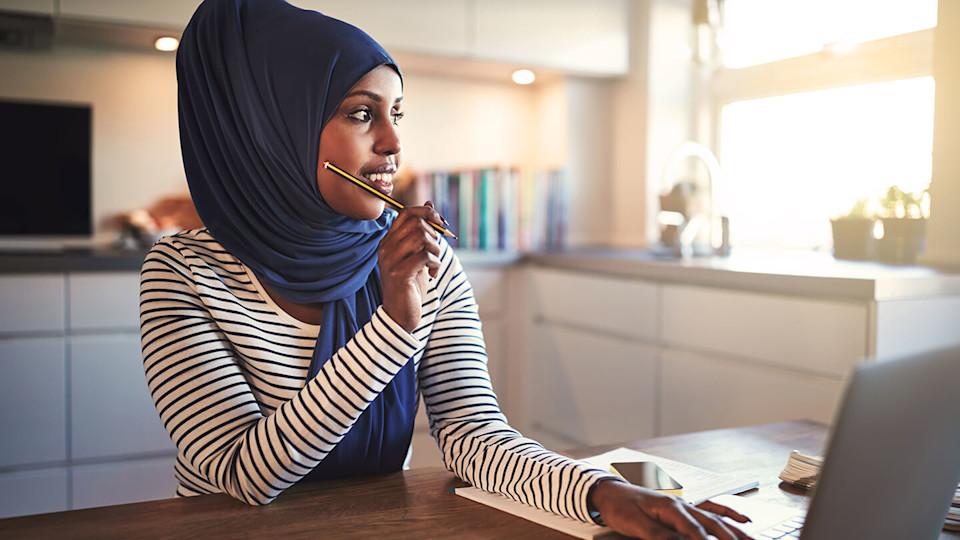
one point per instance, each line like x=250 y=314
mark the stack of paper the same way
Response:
x=802 y=470
x=698 y=486
x=952 y=523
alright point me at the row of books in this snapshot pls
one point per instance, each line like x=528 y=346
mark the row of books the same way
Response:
x=497 y=208
x=952 y=522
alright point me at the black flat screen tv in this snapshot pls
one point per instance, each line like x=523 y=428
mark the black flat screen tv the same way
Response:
x=45 y=170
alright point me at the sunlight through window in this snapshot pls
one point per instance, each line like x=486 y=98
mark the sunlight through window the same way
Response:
x=759 y=31
x=792 y=162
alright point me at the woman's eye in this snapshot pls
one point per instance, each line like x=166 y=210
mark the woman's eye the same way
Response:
x=397 y=116
x=363 y=115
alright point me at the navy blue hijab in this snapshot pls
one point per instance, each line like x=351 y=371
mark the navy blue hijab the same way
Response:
x=258 y=80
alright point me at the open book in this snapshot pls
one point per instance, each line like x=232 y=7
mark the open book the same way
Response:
x=698 y=485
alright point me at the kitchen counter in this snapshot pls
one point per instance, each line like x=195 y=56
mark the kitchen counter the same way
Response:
x=798 y=273
x=70 y=260
x=108 y=259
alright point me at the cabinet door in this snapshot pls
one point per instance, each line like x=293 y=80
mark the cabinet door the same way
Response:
x=112 y=413
x=124 y=482
x=426 y=453
x=703 y=392
x=606 y=305
x=588 y=36
x=31 y=303
x=489 y=288
x=420 y=26
x=167 y=14
x=104 y=300
x=590 y=389
x=916 y=325
x=33 y=492
x=823 y=337
x=33 y=7
x=32 y=401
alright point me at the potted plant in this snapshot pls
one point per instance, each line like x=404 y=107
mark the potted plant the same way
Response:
x=853 y=233
x=904 y=225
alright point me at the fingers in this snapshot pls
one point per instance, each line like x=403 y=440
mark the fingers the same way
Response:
x=722 y=510
x=676 y=516
x=411 y=245
x=716 y=526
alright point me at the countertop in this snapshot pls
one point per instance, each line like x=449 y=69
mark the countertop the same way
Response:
x=107 y=259
x=801 y=273
x=783 y=272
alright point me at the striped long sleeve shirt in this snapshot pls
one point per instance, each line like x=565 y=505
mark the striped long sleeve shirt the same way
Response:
x=227 y=370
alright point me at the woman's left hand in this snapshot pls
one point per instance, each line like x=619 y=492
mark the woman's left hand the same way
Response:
x=408 y=254
x=642 y=513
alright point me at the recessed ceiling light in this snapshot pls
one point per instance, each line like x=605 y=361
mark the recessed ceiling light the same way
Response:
x=166 y=43
x=523 y=76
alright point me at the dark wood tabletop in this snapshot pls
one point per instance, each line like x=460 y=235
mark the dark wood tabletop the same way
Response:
x=415 y=503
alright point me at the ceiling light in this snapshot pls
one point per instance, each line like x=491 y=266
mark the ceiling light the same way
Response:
x=166 y=43
x=523 y=76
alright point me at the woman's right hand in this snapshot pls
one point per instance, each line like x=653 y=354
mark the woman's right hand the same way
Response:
x=408 y=254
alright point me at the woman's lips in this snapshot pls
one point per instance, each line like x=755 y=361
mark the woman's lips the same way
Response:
x=383 y=182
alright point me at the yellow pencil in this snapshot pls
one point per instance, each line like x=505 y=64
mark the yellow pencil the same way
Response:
x=382 y=196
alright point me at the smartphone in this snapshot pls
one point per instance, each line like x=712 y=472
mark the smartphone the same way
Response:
x=647 y=474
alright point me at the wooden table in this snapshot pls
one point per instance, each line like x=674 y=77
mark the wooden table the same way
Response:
x=415 y=503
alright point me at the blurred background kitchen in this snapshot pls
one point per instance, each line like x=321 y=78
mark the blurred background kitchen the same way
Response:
x=677 y=214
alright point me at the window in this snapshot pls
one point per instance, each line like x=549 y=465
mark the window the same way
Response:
x=820 y=102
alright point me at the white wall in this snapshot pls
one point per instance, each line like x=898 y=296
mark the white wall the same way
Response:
x=943 y=233
x=451 y=123
x=136 y=146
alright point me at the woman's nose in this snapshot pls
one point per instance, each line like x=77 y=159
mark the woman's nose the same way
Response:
x=388 y=140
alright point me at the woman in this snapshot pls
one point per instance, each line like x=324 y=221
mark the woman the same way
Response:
x=290 y=338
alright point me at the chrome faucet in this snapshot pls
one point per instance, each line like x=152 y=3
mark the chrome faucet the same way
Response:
x=689 y=219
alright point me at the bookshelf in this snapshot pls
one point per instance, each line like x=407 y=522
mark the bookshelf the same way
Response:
x=497 y=209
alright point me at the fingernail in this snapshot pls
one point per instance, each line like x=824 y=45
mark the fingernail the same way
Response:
x=444 y=221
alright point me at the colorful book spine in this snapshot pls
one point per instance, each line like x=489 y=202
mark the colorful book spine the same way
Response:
x=500 y=208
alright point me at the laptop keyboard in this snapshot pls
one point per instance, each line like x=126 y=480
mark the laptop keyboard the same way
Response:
x=786 y=530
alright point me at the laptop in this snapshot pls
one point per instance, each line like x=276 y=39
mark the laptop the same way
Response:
x=893 y=460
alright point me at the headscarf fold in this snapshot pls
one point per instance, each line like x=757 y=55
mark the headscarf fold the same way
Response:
x=258 y=80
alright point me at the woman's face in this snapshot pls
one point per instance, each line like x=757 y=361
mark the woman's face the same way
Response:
x=362 y=139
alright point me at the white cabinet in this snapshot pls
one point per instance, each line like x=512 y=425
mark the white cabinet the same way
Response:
x=590 y=371
x=36 y=491
x=612 y=358
x=700 y=392
x=607 y=305
x=818 y=336
x=31 y=303
x=914 y=325
x=31 y=7
x=590 y=37
x=76 y=419
x=104 y=300
x=112 y=413
x=590 y=389
x=172 y=14
x=735 y=358
x=419 y=26
x=32 y=401
x=123 y=482
x=580 y=36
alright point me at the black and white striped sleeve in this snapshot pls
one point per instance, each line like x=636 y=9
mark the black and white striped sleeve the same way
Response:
x=477 y=443
x=207 y=405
